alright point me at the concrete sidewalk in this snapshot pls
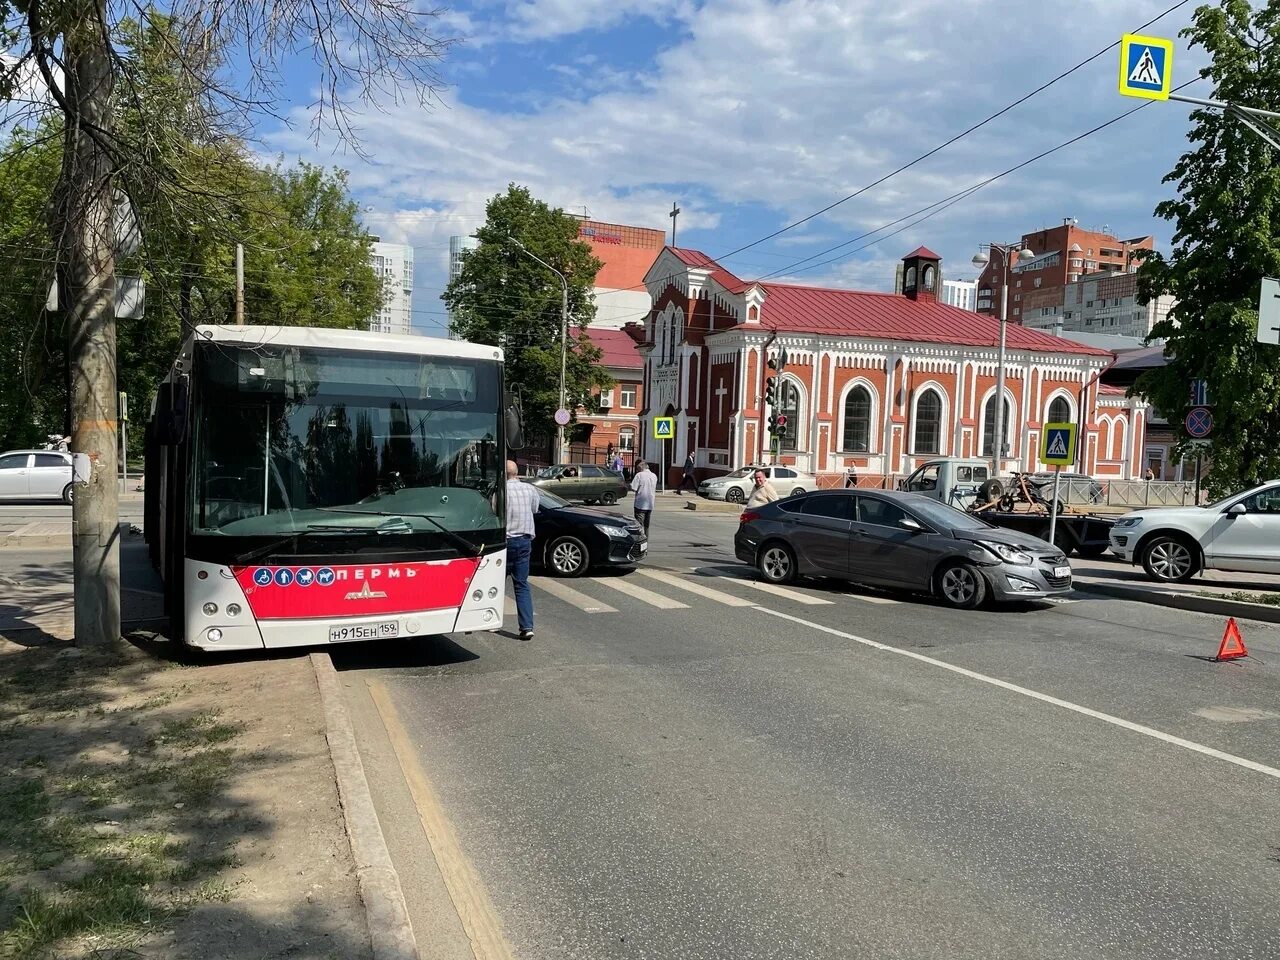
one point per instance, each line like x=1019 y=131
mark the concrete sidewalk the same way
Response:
x=1210 y=592
x=259 y=829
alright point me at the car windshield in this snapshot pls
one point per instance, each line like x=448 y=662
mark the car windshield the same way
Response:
x=944 y=516
x=1218 y=504
x=549 y=500
x=740 y=473
x=300 y=439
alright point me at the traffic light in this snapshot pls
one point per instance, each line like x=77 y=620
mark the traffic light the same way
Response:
x=780 y=430
x=771 y=391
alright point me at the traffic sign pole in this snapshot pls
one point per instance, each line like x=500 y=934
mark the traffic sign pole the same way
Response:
x=1053 y=507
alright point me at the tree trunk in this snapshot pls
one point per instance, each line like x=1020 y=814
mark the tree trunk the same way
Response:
x=85 y=238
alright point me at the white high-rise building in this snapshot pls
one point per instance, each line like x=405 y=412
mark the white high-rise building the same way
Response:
x=457 y=248
x=393 y=263
x=960 y=293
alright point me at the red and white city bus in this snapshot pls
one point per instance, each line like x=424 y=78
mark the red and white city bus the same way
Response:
x=311 y=486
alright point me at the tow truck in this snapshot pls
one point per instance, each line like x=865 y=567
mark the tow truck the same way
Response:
x=1015 y=504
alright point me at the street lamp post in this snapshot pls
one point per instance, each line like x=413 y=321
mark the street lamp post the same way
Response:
x=980 y=260
x=564 y=339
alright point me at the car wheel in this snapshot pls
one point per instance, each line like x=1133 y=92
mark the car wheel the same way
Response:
x=591 y=502
x=796 y=491
x=1169 y=559
x=609 y=498
x=735 y=495
x=990 y=490
x=567 y=557
x=961 y=585
x=69 y=493
x=776 y=563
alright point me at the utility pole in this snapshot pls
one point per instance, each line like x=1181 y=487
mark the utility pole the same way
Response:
x=83 y=222
x=239 y=284
x=564 y=339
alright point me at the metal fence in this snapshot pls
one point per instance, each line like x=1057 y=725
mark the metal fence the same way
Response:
x=1126 y=493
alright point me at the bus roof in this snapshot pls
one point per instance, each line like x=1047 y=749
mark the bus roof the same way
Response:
x=261 y=336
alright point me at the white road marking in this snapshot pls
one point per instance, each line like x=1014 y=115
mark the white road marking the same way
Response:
x=575 y=597
x=775 y=590
x=727 y=599
x=871 y=598
x=640 y=593
x=1042 y=697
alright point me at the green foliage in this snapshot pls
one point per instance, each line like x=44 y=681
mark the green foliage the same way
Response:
x=1226 y=239
x=503 y=296
x=306 y=253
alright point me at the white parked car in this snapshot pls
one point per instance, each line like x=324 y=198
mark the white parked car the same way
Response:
x=1240 y=532
x=36 y=475
x=736 y=486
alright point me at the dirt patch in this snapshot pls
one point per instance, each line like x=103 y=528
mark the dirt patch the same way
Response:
x=154 y=808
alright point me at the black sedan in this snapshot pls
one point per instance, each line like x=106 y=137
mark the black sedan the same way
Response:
x=899 y=540
x=571 y=540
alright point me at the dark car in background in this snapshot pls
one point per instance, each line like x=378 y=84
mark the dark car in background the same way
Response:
x=903 y=541
x=570 y=540
x=581 y=481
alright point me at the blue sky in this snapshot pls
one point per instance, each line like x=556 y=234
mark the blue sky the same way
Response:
x=754 y=113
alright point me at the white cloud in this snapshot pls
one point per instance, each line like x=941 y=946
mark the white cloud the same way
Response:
x=785 y=105
x=544 y=19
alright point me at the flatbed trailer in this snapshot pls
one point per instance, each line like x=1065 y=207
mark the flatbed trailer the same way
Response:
x=1088 y=535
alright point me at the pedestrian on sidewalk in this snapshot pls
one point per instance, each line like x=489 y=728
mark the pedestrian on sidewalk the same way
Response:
x=688 y=477
x=644 y=485
x=763 y=492
x=851 y=477
x=522 y=503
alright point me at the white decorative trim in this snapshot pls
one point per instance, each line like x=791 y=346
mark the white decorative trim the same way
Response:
x=916 y=394
x=1071 y=406
x=838 y=441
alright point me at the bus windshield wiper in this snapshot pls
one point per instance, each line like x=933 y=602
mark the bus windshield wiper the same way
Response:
x=459 y=541
x=257 y=553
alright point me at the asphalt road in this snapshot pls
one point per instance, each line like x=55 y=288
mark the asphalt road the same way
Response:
x=687 y=766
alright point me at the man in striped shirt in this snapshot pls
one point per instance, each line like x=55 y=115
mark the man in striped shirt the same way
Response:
x=522 y=504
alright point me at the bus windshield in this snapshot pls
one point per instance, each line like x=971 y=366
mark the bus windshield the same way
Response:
x=359 y=450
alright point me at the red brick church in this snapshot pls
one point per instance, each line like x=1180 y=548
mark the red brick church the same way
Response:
x=875 y=381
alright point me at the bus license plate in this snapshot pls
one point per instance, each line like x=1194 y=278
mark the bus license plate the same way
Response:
x=364 y=631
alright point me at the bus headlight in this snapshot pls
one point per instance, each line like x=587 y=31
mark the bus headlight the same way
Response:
x=477 y=595
x=493 y=592
x=210 y=609
x=214 y=635
x=233 y=609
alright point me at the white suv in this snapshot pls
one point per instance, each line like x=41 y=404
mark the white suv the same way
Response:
x=1240 y=532
x=736 y=487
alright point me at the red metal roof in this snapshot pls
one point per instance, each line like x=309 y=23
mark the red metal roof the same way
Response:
x=922 y=252
x=618 y=347
x=891 y=316
x=696 y=258
x=1107 y=390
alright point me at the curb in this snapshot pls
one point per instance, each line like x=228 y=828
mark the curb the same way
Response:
x=1184 y=601
x=390 y=933
x=33 y=543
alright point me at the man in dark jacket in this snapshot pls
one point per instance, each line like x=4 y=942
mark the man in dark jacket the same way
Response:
x=688 y=477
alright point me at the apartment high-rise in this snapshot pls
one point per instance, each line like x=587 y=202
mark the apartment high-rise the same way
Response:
x=1062 y=255
x=960 y=293
x=393 y=263
x=458 y=247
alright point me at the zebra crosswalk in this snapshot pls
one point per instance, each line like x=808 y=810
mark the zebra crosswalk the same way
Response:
x=663 y=589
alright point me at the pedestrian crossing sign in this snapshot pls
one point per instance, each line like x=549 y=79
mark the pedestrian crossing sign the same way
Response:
x=1146 y=66
x=664 y=428
x=1058 y=444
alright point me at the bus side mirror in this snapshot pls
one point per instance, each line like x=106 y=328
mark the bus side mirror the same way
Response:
x=513 y=422
x=171 y=413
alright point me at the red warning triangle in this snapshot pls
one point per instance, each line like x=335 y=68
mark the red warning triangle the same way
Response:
x=1232 y=645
